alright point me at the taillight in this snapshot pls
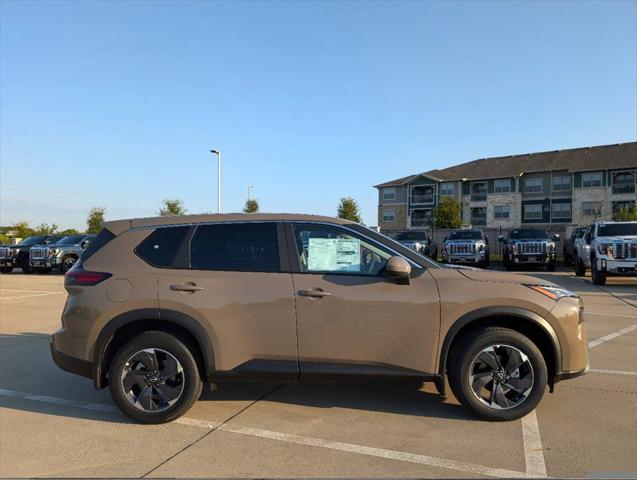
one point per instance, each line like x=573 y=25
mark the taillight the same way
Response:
x=82 y=278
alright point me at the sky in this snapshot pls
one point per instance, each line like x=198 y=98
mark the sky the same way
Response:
x=117 y=104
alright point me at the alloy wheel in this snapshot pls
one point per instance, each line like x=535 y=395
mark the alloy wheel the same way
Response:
x=501 y=377
x=152 y=380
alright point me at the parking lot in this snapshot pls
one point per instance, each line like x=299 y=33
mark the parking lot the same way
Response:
x=55 y=424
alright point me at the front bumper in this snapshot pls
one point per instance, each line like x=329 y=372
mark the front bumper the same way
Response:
x=539 y=258
x=49 y=262
x=7 y=262
x=71 y=364
x=623 y=268
x=463 y=259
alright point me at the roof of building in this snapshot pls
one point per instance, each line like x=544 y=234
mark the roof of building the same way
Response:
x=118 y=226
x=620 y=155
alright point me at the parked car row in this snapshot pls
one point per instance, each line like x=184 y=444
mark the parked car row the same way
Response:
x=43 y=253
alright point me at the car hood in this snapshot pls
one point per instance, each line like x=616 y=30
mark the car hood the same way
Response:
x=502 y=277
x=626 y=238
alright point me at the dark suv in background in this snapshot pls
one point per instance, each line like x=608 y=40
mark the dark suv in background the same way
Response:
x=420 y=242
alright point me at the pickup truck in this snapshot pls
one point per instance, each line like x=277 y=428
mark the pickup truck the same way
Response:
x=61 y=255
x=529 y=246
x=12 y=256
x=466 y=247
x=420 y=242
x=612 y=251
x=569 y=249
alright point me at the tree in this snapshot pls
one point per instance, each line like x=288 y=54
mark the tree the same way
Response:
x=349 y=210
x=69 y=231
x=44 y=229
x=22 y=229
x=447 y=213
x=95 y=219
x=251 y=206
x=626 y=214
x=172 y=206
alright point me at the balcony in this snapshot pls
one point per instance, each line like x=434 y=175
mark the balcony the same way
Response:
x=422 y=198
x=623 y=188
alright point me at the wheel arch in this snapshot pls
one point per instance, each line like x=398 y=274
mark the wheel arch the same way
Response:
x=521 y=320
x=123 y=327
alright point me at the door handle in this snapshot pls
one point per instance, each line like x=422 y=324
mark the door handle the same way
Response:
x=186 y=287
x=314 y=292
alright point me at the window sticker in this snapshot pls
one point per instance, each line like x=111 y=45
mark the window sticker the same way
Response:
x=334 y=254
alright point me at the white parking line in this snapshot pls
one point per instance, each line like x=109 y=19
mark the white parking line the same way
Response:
x=30 y=295
x=586 y=312
x=613 y=372
x=26 y=291
x=613 y=335
x=310 y=441
x=533 y=453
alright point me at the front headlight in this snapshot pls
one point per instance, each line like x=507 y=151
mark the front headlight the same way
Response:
x=551 y=246
x=554 y=293
x=53 y=252
x=12 y=252
x=417 y=246
x=605 y=249
x=481 y=246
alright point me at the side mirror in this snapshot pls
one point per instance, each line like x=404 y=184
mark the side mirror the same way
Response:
x=589 y=238
x=501 y=238
x=398 y=268
x=486 y=240
x=445 y=239
x=84 y=244
x=556 y=237
x=429 y=240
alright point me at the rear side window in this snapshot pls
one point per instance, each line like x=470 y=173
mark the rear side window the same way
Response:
x=98 y=242
x=243 y=247
x=160 y=247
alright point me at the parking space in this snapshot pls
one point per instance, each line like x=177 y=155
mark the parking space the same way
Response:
x=55 y=424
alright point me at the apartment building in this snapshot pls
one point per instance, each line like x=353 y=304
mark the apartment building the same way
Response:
x=570 y=187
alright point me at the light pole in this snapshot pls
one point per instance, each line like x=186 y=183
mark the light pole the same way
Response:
x=218 y=154
x=250 y=187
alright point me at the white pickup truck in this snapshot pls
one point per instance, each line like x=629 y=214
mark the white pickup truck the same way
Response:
x=608 y=249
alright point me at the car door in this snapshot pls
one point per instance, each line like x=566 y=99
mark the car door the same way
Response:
x=233 y=279
x=351 y=318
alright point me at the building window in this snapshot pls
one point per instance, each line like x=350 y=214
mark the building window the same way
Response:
x=533 y=212
x=592 y=208
x=446 y=189
x=389 y=215
x=389 y=194
x=422 y=194
x=501 y=211
x=479 y=216
x=624 y=182
x=421 y=218
x=478 y=192
x=533 y=185
x=619 y=206
x=502 y=186
x=562 y=183
x=592 y=179
x=561 y=210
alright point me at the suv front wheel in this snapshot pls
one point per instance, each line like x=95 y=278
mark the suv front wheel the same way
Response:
x=154 y=378
x=497 y=374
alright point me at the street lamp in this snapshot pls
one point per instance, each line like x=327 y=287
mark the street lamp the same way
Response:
x=250 y=187
x=218 y=154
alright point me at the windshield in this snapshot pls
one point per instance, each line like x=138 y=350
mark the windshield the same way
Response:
x=412 y=236
x=33 y=240
x=466 y=235
x=527 y=233
x=71 y=240
x=617 y=229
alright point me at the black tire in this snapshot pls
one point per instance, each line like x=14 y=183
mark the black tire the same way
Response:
x=580 y=268
x=23 y=261
x=550 y=267
x=67 y=262
x=567 y=258
x=461 y=362
x=6 y=269
x=190 y=379
x=598 y=277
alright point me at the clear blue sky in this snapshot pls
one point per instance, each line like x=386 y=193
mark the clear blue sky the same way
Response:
x=118 y=103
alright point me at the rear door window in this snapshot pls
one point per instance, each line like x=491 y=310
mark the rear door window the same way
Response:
x=242 y=247
x=160 y=247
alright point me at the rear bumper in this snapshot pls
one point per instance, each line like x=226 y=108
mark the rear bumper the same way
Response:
x=71 y=364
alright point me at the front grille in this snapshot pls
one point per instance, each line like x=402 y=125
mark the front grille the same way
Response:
x=38 y=253
x=532 y=247
x=462 y=248
x=625 y=250
x=4 y=252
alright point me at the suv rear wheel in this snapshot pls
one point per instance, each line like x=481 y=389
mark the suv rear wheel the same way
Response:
x=497 y=374
x=154 y=378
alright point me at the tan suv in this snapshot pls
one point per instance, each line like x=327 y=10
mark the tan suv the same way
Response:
x=157 y=306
